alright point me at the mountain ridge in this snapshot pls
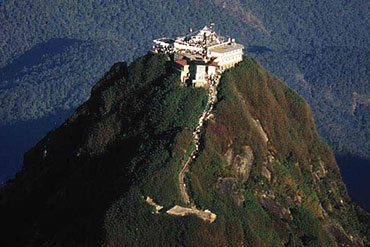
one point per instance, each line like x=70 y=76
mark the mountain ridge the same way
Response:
x=298 y=48
x=262 y=168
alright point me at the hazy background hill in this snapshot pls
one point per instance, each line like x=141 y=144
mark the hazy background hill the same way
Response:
x=53 y=52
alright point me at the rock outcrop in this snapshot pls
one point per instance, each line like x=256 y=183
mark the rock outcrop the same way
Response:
x=260 y=167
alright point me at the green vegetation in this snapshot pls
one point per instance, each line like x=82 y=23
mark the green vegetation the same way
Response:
x=247 y=92
x=258 y=224
x=34 y=89
x=314 y=235
x=160 y=116
x=130 y=222
x=138 y=123
x=86 y=182
x=52 y=53
x=328 y=78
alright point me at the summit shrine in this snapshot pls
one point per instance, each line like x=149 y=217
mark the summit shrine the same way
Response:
x=201 y=55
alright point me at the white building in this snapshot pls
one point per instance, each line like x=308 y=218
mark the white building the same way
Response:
x=183 y=67
x=200 y=76
x=210 y=52
x=226 y=55
x=212 y=69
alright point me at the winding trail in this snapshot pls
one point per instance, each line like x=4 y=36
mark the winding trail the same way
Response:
x=177 y=210
x=212 y=97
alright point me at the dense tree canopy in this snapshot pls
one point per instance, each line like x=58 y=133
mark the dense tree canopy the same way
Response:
x=53 y=52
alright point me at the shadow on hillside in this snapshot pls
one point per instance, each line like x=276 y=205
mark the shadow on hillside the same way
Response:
x=18 y=138
x=355 y=172
x=33 y=57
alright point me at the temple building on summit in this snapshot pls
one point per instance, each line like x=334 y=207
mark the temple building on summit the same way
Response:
x=200 y=55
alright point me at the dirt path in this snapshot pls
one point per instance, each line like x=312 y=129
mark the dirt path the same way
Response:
x=177 y=210
x=212 y=97
x=205 y=215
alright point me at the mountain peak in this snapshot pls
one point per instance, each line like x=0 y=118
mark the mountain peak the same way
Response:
x=259 y=165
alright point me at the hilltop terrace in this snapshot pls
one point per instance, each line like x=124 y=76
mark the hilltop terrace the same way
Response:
x=200 y=55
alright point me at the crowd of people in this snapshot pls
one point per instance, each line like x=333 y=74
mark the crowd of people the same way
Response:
x=212 y=97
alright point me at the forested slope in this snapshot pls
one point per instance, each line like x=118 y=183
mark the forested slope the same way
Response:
x=52 y=53
x=261 y=167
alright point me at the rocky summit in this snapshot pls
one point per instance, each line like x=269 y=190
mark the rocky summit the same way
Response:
x=147 y=162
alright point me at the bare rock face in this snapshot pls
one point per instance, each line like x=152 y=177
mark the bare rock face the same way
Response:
x=241 y=163
x=261 y=130
x=266 y=173
x=321 y=171
x=229 y=156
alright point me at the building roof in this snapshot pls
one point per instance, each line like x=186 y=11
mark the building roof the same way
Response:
x=226 y=48
x=198 y=38
x=164 y=40
x=193 y=57
x=213 y=64
x=181 y=62
x=206 y=29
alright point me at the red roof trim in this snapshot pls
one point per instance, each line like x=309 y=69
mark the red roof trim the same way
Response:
x=181 y=62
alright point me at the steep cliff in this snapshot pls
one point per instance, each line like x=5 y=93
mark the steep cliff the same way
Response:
x=262 y=168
